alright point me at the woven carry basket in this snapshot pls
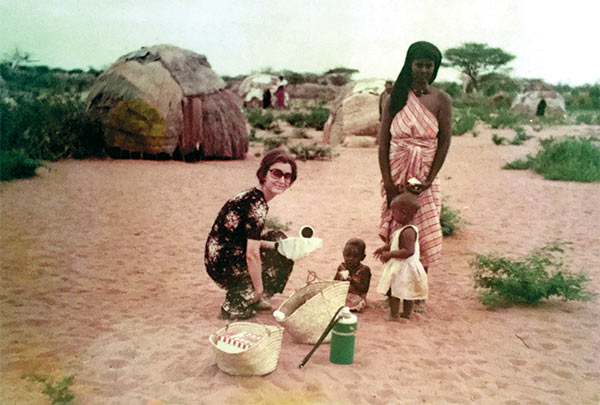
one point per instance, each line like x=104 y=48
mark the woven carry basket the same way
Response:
x=260 y=359
x=309 y=310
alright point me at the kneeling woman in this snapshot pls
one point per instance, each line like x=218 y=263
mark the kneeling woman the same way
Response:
x=237 y=256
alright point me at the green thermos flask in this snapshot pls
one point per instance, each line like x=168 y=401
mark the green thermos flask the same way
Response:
x=342 y=338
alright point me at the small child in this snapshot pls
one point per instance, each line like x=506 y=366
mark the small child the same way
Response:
x=403 y=276
x=357 y=273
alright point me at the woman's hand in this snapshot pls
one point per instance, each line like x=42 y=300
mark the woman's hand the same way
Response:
x=390 y=193
x=418 y=188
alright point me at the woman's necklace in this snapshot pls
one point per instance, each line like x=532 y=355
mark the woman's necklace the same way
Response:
x=420 y=92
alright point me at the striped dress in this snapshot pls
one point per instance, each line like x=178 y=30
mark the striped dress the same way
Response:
x=413 y=145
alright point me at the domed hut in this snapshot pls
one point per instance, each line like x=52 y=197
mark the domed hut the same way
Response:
x=259 y=90
x=539 y=99
x=165 y=100
x=355 y=112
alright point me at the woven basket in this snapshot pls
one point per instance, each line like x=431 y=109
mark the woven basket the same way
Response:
x=260 y=359
x=308 y=311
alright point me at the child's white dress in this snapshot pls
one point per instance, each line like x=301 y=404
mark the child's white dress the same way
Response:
x=406 y=277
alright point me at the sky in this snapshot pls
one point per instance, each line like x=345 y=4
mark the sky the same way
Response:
x=553 y=41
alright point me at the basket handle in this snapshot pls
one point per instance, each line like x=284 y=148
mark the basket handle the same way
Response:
x=311 y=277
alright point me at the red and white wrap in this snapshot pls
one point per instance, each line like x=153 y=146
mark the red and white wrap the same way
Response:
x=413 y=145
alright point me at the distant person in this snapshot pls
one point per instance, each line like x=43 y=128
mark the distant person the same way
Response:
x=403 y=278
x=280 y=101
x=414 y=140
x=238 y=257
x=385 y=95
x=359 y=275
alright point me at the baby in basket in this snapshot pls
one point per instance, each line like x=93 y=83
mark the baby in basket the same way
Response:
x=359 y=275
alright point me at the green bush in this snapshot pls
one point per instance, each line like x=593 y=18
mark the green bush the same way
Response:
x=499 y=140
x=273 y=142
x=296 y=119
x=463 y=123
x=537 y=276
x=58 y=392
x=569 y=158
x=520 y=164
x=259 y=118
x=315 y=119
x=504 y=119
x=50 y=127
x=15 y=164
x=451 y=220
x=588 y=118
x=311 y=152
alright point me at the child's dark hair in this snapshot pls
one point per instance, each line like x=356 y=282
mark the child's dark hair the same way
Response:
x=357 y=243
x=407 y=198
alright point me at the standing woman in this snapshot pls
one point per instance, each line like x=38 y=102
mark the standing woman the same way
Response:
x=232 y=255
x=414 y=141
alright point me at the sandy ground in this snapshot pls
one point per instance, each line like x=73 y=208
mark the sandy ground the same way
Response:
x=103 y=278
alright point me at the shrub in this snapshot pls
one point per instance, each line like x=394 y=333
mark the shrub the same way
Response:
x=15 y=164
x=463 y=123
x=499 y=140
x=569 y=158
x=504 y=119
x=296 y=119
x=273 y=142
x=57 y=392
x=317 y=118
x=451 y=220
x=50 y=127
x=521 y=164
x=588 y=118
x=259 y=118
x=521 y=135
x=300 y=134
x=527 y=280
x=452 y=88
x=310 y=152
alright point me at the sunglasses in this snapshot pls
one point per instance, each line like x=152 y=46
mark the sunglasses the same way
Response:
x=279 y=174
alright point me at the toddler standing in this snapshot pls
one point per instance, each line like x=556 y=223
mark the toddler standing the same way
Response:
x=357 y=273
x=404 y=278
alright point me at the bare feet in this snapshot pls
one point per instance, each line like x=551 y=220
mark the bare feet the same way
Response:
x=420 y=307
x=392 y=318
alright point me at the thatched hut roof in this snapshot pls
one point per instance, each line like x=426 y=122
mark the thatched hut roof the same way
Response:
x=161 y=99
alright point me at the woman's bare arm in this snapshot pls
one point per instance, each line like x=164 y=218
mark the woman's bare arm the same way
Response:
x=384 y=152
x=444 y=136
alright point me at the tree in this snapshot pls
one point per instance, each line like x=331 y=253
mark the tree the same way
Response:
x=17 y=58
x=475 y=59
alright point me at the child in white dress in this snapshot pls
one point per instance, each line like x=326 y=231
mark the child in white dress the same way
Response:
x=403 y=277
